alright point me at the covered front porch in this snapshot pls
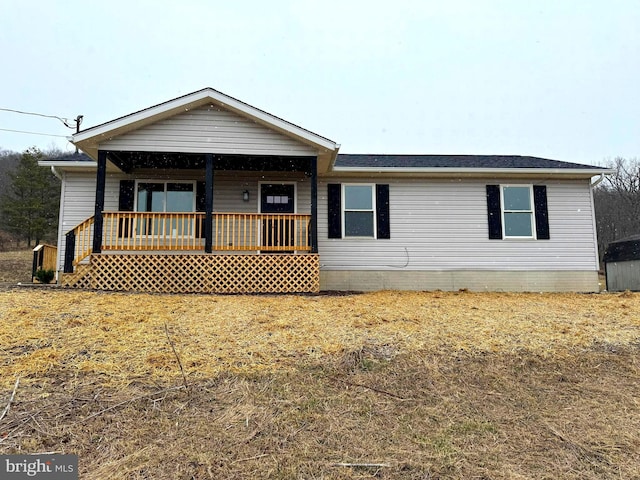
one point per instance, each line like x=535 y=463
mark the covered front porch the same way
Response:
x=165 y=253
x=202 y=193
x=146 y=245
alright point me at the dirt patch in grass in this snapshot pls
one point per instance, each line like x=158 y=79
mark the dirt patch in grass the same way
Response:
x=415 y=385
x=15 y=266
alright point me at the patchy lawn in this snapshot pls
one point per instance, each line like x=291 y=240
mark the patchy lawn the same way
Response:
x=16 y=266
x=418 y=385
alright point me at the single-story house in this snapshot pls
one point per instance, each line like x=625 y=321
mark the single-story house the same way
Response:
x=205 y=193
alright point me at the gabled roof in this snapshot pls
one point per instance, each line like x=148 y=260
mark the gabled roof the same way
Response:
x=89 y=139
x=329 y=162
x=462 y=164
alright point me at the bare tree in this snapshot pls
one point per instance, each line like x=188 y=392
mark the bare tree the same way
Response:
x=617 y=203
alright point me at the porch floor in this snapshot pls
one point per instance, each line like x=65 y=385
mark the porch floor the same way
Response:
x=199 y=273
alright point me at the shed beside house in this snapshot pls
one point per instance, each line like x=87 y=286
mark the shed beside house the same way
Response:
x=622 y=264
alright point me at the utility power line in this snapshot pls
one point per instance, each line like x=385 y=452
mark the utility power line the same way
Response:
x=65 y=121
x=32 y=133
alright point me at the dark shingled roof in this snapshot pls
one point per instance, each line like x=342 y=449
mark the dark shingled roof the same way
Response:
x=422 y=161
x=73 y=157
x=453 y=161
x=627 y=249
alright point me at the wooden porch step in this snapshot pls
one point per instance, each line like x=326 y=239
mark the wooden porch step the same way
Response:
x=80 y=278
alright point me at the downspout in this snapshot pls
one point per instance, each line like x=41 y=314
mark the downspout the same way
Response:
x=595 y=229
x=598 y=181
x=56 y=173
x=61 y=217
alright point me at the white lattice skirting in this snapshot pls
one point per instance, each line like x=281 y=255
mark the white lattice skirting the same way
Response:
x=198 y=273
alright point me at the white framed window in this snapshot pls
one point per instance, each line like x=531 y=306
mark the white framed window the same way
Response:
x=359 y=210
x=518 y=217
x=165 y=196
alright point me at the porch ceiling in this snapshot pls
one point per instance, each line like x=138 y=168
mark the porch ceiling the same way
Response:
x=130 y=161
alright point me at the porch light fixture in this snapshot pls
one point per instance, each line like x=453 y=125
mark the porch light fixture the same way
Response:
x=245 y=196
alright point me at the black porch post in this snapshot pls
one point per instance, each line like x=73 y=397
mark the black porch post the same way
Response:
x=97 y=216
x=208 y=208
x=314 y=205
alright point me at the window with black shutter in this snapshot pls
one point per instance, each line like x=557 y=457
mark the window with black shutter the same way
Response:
x=517 y=212
x=358 y=210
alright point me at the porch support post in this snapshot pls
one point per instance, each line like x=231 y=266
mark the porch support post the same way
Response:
x=314 y=206
x=208 y=200
x=100 y=186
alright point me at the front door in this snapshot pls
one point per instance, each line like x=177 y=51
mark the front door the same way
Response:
x=278 y=233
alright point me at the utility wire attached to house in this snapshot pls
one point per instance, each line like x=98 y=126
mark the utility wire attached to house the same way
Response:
x=65 y=121
x=32 y=133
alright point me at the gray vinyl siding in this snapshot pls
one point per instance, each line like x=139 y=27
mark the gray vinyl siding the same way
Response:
x=439 y=225
x=208 y=129
x=78 y=200
x=436 y=225
x=228 y=188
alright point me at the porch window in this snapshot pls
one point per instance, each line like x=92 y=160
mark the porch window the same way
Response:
x=165 y=197
x=359 y=210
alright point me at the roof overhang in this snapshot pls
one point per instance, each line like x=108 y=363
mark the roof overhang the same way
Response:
x=89 y=140
x=397 y=172
x=449 y=172
x=76 y=166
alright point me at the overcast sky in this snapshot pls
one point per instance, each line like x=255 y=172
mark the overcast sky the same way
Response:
x=552 y=78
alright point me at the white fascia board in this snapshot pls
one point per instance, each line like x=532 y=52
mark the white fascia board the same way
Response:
x=53 y=163
x=77 y=166
x=193 y=100
x=475 y=171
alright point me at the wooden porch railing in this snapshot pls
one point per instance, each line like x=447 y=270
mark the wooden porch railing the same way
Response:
x=261 y=231
x=78 y=244
x=153 y=231
x=185 y=231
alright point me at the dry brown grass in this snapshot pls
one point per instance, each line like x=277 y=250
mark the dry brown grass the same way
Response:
x=122 y=336
x=15 y=266
x=434 y=385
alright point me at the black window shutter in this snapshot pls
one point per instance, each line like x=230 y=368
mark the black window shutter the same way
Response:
x=125 y=204
x=542 y=213
x=200 y=196
x=127 y=195
x=383 y=226
x=494 y=212
x=334 y=207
